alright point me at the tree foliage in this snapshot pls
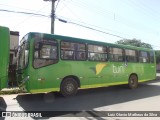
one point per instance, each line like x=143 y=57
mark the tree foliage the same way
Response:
x=134 y=42
x=138 y=43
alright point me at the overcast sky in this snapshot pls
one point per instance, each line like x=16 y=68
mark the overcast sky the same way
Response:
x=129 y=19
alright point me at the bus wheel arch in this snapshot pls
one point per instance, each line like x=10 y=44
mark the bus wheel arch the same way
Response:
x=133 y=81
x=69 y=85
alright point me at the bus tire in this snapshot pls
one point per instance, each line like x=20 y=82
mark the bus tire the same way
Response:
x=133 y=81
x=69 y=87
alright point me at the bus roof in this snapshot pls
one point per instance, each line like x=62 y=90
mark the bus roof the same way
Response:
x=67 y=38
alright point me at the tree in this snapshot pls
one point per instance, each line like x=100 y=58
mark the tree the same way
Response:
x=138 y=43
x=134 y=42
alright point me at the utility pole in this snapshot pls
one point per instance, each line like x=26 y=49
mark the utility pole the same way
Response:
x=52 y=15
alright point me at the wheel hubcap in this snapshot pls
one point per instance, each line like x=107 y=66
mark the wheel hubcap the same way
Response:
x=132 y=81
x=69 y=87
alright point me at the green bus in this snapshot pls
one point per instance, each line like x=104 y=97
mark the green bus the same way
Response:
x=4 y=56
x=48 y=62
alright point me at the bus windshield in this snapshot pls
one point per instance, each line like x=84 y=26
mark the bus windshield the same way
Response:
x=23 y=55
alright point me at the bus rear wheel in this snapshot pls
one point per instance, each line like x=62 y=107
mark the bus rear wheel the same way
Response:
x=69 y=87
x=133 y=81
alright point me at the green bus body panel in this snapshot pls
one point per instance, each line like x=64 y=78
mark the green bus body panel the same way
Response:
x=4 y=56
x=90 y=74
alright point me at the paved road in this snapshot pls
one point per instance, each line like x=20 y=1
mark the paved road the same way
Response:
x=116 y=98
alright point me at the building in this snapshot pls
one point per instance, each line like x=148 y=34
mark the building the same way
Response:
x=14 y=42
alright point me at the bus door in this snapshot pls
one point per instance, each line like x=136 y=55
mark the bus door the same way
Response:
x=44 y=60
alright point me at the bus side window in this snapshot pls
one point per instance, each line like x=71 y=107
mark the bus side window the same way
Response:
x=97 y=53
x=116 y=54
x=82 y=56
x=131 y=55
x=68 y=55
x=143 y=57
x=45 y=54
x=73 y=51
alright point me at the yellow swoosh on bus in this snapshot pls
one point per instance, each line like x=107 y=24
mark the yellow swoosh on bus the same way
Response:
x=99 y=67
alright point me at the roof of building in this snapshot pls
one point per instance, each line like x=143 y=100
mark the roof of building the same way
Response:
x=14 y=33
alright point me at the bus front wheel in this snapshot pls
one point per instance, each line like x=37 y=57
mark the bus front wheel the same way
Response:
x=69 y=87
x=133 y=81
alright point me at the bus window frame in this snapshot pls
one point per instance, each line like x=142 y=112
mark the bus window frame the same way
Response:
x=26 y=65
x=152 y=62
x=137 y=55
x=148 y=56
x=70 y=41
x=123 y=54
x=107 y=52
x=46 y=40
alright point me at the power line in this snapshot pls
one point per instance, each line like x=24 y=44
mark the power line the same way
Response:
x=80 y=21
x=21 y=8
x=99 y=11
x=57 y=4
x=64 y=5
x=31 y=15
x=65 y=21
x=28 y=13
x=116 y=18
x=41 y=14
